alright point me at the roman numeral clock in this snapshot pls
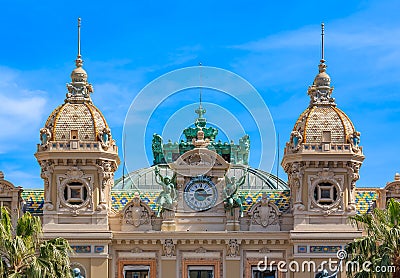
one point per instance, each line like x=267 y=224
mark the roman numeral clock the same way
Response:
x=200 y=177
x=200 y=193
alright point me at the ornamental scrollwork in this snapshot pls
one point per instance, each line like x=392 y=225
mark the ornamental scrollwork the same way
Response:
x=45 y=137
x=200 y=141
x=295 y=180
x=79 y=90
x=84 y=189
x=47 y=169
x=105 y=138
x=353 y=169
x=320 y=95
x=106 y=175
x=169 y=248
x=233 y=248
x=296 y=139
x=136 y=213
x=200 y=250
x=264 y=213
x=5 y=187
x=326 y=180
x=355 y=141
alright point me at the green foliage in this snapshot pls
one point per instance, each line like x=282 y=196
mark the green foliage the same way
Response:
x=380 y=245
x=24 y=255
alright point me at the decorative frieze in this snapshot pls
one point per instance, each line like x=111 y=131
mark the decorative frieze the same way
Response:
x=325 y=248
x=80 y=249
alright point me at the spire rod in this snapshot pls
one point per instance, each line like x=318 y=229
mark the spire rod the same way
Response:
x=78 y=61
x=200 y=111
x=322 y=41
x=322 y=66
x=200 y=84
x=79 y=37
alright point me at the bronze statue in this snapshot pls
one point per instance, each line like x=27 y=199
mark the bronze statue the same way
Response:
x=232 y=198
x=157 y=148
x=168 y=196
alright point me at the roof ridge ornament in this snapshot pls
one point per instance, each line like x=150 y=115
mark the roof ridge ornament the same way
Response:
x=321 y=90
x=79 y=89
x=200 y=141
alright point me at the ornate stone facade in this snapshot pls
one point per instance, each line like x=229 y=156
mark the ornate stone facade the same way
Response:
x=206 y=212
x=78 y=158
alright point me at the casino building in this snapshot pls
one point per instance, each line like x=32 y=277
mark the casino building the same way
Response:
x=200 y=211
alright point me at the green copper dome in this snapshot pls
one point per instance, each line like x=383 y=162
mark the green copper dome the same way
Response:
x=170 y=151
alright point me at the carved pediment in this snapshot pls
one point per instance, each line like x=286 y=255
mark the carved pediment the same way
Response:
x=6 y=186
x=393 y=189
x=199 y=158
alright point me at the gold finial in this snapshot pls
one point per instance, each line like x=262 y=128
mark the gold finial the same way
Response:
x=78 y=60
x=322 y=41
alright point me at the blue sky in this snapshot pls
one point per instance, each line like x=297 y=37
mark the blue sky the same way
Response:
x=127 y=44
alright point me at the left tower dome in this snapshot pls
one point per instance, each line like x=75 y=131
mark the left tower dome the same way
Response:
x=77 y=118
x=78 y=158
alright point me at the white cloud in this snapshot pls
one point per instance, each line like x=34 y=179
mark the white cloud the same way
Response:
x=21 y=110
x=353 y=37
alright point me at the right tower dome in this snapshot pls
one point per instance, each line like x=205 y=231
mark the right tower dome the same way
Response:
x=322 y=158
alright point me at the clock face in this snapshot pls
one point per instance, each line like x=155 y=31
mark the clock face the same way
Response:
x=200 y=193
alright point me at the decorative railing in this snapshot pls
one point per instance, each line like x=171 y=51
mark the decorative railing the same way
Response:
x=76 y=146
x=324 y=148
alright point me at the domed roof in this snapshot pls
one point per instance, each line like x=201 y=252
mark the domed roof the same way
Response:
x=85 y=118
x=77 y=118
x=317 y=119
x=145 y=179
x=322 y=115
x=322 y=127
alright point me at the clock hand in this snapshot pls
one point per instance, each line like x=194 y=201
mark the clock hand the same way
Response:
x=203 y=194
